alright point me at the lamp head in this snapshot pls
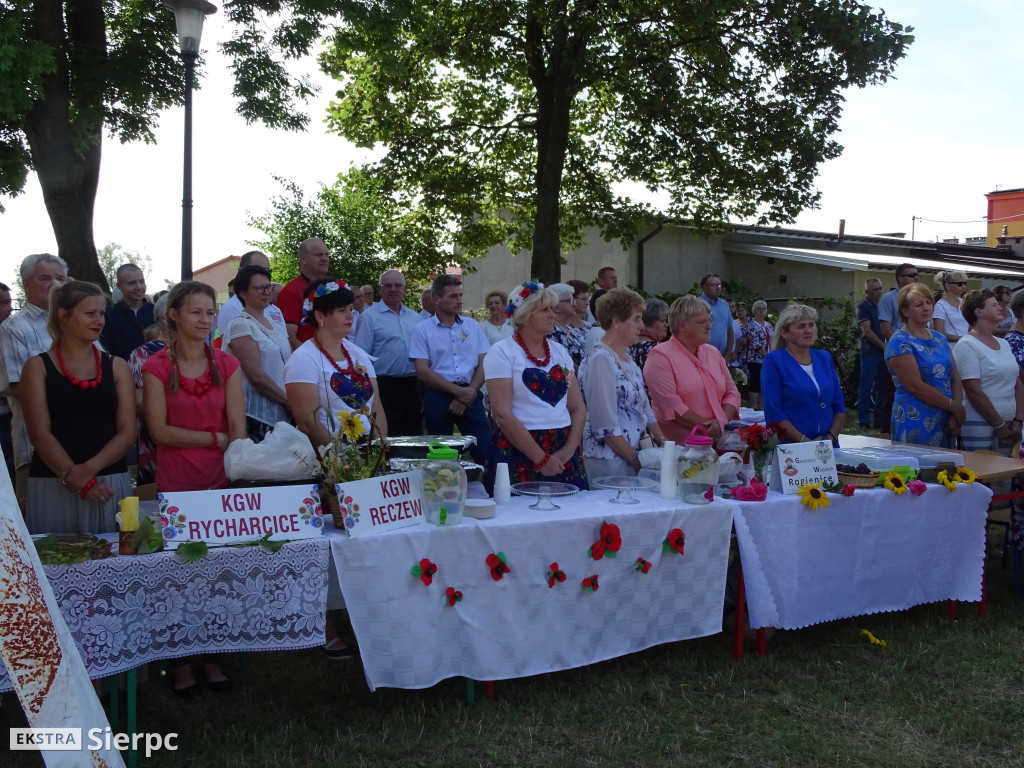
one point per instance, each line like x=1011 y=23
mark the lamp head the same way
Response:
x=188 y=17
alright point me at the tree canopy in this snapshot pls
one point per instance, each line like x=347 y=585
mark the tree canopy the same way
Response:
x=514 y=120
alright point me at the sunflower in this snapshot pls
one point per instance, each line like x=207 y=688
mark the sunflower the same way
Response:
x=352 y=425
x=812 y=496
x=894 y=482
x=944 y=478
x=964 y=475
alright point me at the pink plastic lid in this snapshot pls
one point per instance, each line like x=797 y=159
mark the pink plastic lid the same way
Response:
x=695 y=439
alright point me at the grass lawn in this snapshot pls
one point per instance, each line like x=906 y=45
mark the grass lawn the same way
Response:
x=939 y=694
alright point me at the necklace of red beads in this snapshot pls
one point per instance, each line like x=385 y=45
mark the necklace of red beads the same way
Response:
x=201 y=385
x=75 y=381
x=349 y=367
x=529 y=356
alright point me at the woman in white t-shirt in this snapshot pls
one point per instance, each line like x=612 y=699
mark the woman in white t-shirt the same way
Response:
x=328 y=374
x=535 y=398
x=262 y=349
x=496 y=327
x=947 y=318
x=994 y=395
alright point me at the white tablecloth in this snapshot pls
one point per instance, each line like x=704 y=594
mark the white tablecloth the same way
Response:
x=127 y=611
x=869 y=553
x=410 y=638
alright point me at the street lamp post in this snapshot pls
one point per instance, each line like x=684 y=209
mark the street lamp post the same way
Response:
x=188 y=16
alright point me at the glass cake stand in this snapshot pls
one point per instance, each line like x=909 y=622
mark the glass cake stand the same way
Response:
x=544 y=491
x=625 y=485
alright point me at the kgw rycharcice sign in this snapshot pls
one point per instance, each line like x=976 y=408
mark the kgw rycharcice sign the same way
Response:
x=233 y=516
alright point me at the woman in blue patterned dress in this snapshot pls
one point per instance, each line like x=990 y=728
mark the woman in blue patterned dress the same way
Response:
x=618 y=410
x=928 y=408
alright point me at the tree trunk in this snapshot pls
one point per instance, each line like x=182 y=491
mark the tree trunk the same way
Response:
x=66 y=148
x=553 y=82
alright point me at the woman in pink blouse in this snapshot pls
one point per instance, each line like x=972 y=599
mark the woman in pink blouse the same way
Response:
x=687 y=379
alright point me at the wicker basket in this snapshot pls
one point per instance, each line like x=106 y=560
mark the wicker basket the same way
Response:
x=329 y=503
x=859 y=481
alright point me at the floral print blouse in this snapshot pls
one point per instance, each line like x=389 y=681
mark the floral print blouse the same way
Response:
x=616 y=402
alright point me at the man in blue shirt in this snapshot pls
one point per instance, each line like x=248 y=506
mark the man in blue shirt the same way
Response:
x=383 y=331
x=721 y=317
x=872 y=358
x=448 y=351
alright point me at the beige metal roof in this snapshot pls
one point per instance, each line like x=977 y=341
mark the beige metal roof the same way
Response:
x=852 y=260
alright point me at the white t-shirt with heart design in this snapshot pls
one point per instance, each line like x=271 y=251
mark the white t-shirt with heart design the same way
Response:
x=538 y=398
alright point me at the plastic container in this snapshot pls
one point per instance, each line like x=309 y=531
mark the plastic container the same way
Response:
x=879 y=459
x=444 y=486
x=698 y=468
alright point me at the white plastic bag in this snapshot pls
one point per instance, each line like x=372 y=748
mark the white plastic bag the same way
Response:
x=284 y=454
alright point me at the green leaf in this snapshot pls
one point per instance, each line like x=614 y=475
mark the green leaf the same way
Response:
x=191 y=551
x=147 y=539
x=416 y=571
x=271 y=546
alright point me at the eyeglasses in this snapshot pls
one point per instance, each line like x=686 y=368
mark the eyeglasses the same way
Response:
x=712 y=285
x=911 y=275
x=565 y=301
x=263 y=288
x=708 y=321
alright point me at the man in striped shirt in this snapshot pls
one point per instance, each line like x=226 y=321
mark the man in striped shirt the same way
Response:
x=24 y=335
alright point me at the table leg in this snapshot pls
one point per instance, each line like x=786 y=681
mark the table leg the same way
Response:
x=131 y=714
x=740 y=613
x=951 y=610
x=489 y=689
x=762 y=641
x=470 y=691
x=115 y=702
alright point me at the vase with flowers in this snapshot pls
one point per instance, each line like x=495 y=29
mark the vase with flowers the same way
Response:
x=356 y=452
x=761 y=439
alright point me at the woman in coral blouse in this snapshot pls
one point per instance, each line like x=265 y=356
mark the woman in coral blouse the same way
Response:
x=194 y=407
x=687 y=378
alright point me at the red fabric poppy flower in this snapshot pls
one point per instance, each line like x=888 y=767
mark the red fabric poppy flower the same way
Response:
x=642 y=565
x=452 y=595
x=554 y=574
x=590 y=583
x=847 y=490
x=498 y=566
x=424 y=570
x=676 y=540
x=609 y=543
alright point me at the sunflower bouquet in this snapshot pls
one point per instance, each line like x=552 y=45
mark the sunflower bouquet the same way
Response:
x=356 y=450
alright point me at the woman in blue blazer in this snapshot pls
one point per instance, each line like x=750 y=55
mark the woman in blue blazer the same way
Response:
x=799 y=384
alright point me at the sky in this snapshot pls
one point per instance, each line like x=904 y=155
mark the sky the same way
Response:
x=928 y=144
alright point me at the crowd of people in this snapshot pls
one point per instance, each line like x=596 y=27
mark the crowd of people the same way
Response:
x=557 y=382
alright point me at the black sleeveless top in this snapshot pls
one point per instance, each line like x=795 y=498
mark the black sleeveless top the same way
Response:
x=82 y=420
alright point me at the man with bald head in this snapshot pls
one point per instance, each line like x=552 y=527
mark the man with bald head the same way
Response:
x=230 y=309
x=314 y=263
x=384 y=331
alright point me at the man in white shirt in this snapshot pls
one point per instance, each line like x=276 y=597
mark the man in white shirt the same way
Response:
x=24 y=335
x=448 y=351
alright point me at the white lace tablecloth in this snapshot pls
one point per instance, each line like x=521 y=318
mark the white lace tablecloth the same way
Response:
x=409 y=637
x=869 y=553
x=127 y=611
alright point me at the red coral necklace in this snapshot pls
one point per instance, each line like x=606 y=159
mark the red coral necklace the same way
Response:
x=75 y=381
x=348 y=369
x=201 y=384
x=529 y=356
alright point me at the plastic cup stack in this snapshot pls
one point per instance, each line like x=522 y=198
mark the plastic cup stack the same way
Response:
x=502 y=486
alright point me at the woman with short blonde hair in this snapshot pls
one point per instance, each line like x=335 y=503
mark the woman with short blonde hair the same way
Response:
x=535 y=398
x=687 y=378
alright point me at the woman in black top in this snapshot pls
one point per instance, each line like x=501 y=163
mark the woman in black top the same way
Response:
x=80 y=412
